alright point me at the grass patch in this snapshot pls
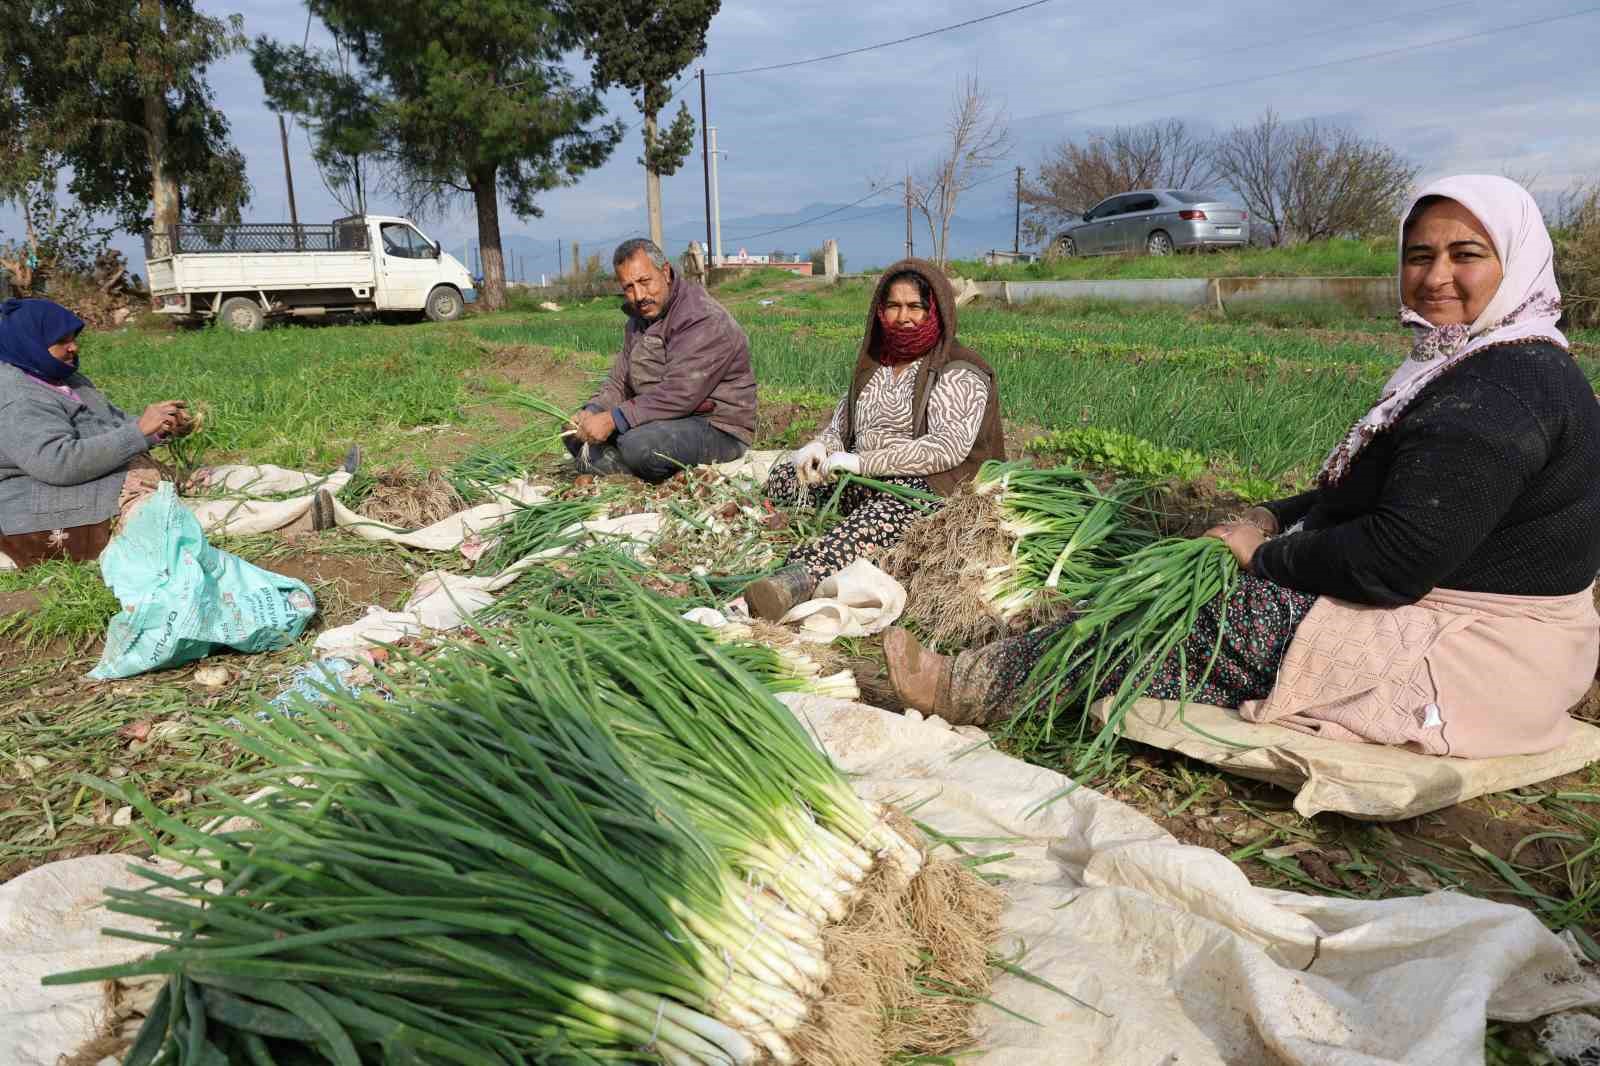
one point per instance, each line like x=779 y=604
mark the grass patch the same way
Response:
x=74 y=604
x=294 y=395
x=1338 y=258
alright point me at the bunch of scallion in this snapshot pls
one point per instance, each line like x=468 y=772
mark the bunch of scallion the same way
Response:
x=1125 y=627
x=1069 y=534
x=783 y=669
x=537 y=527
x=487 y=467
x=598 y=841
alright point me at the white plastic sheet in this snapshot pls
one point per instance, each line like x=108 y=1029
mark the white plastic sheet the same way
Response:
x=1184 y=960
x=858 y=601
x=443 y=601
x=238 y=512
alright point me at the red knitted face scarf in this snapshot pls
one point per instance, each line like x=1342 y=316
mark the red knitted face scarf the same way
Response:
x=901 y=345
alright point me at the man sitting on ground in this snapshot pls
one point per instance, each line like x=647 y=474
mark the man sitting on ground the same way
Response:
x=681 y=392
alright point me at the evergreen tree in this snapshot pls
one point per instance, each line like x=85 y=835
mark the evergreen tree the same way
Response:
x=116 y=91
x=641 y=45
x=474 y=99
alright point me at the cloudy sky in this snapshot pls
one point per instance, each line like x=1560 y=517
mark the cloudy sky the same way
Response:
x=1465 y=86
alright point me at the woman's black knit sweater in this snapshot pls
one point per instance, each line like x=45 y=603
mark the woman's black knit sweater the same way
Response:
x=1489 y=482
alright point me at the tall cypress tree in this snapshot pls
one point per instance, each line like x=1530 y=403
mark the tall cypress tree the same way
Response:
x=641 y=45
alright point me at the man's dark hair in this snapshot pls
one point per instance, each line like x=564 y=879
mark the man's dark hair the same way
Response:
x=632 y=247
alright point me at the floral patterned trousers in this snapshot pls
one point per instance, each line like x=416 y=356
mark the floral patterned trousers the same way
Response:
x=1261 y=620
x=873 y=519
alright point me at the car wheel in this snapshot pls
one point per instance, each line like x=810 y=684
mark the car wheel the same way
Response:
x=242 y=315
x=1159 y=243
x=1062 y=248
x=444 y=304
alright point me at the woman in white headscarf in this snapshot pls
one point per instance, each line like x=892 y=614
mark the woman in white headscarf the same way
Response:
x=1434 y=590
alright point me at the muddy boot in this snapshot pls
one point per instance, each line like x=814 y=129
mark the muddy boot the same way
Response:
x=770 y=597
x=933 y=683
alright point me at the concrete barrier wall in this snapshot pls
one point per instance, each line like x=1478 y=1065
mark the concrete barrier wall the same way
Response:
x=1374 y=295
x=1191 y=292
x=1370 y=295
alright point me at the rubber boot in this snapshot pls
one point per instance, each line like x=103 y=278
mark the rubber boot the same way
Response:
x=930 y=682
x=769 y=598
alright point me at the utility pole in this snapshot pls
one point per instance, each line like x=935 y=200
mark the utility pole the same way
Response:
x=909 y=250
x=288 y=176
x=716 y=204
x=575 y=266
x=559 y=270
x=1016 y=237
x=705 y=154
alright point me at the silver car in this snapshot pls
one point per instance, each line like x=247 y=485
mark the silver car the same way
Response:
x=1157 y=221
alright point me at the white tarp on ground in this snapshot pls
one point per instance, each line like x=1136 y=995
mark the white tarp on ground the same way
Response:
x=1370 y=781
x=447 y=534
x=1184 y=962
x=240 y=511
x=858 y=601
x=442 y=601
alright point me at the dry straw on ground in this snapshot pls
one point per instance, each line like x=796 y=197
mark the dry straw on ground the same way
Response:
x=405 y=499
x=907 y=968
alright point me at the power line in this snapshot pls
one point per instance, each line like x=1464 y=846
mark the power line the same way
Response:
x=883 y=44
x=1278 y=73
x=1211 y=55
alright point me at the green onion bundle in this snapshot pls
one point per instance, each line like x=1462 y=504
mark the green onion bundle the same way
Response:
x=483 y=469
x=783 y=669
x=601 y=841
x=1069 y=534
x=536 y=527
x=1128 y=624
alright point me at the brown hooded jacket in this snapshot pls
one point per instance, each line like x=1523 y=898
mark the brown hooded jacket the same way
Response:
x=948 y=353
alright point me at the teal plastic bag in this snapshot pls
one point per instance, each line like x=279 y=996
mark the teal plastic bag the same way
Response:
x=182 y=598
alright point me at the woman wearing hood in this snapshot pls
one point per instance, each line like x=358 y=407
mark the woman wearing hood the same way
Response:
x=923 y=412
x=66 y=452
x=1434 y=589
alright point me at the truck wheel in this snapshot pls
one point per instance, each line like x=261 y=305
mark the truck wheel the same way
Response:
x=444 y=304
x=242 y=315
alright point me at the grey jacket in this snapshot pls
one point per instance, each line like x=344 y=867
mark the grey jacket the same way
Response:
x=694 y=359
x=62 y=463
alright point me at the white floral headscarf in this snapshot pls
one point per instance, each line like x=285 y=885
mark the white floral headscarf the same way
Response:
x=1526 y=306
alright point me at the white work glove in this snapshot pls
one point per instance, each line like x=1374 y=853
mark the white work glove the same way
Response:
x=849 y=462
x=809 y=461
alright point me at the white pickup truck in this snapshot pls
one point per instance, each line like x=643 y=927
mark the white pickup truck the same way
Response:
x=243 y=275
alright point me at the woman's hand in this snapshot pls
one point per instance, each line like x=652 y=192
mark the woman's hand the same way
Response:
x=1242 y=538
x=163 y=419
x=849 y=462
x=1262 y=519
x=809 y=461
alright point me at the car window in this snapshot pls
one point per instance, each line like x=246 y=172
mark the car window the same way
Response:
x=1104 y=209
x=1140 y=203
x=397 y=240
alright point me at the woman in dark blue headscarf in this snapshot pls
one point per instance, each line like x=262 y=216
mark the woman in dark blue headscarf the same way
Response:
x=66 y=452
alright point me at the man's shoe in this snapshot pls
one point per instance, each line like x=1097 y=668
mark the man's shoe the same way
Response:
x=352 y=459
x=771 y=597
x=322 y=511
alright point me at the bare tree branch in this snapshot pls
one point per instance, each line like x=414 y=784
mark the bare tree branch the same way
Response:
x=979 y=137
x=1311 y=181
x=1074 y=176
